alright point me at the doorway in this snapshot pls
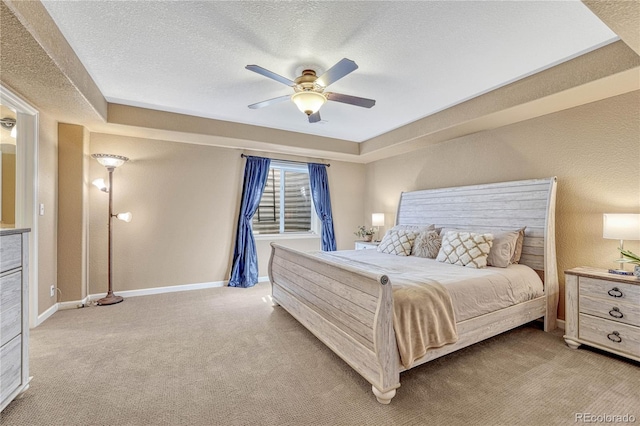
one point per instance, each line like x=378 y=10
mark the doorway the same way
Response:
x=23 y=210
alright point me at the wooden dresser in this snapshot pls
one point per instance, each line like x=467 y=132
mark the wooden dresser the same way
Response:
x=14 y=314
x=603 y=310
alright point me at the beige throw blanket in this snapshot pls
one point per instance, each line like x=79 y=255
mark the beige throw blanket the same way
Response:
x=423 y=318
x=423 y=315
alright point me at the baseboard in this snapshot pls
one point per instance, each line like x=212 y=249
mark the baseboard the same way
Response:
x=75 y=304
x=560 y=324
x=46 y=314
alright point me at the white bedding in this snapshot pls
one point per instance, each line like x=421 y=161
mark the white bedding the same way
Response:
x=473 y=292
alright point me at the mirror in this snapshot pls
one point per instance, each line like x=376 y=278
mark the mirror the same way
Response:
x=7 y=167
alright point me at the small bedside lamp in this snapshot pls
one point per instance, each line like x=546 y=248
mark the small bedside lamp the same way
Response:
x=621 y=227
x=377 y=220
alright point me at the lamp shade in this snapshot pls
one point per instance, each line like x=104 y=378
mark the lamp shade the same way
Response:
x=377 y=219
x=125 y=217
x=308 y=102
x=100 y=184
x=110 y=160
x=621 y=226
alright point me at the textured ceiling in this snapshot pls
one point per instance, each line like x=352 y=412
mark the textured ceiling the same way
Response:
x=415 y=58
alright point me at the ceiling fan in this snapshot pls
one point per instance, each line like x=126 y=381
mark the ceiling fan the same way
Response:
x=309 y=93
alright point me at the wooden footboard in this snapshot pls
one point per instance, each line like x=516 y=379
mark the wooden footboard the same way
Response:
x=349 y=310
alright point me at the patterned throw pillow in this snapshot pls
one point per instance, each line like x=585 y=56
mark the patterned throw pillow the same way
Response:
x=397 y=242
x=465 y=249
x=504 y=249
x=427 y=244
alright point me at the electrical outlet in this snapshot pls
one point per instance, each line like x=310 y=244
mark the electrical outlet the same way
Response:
x=41 y=209
x=52 y=291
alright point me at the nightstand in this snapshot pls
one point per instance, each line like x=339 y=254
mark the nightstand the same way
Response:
x=366 y=245
x=602 y=310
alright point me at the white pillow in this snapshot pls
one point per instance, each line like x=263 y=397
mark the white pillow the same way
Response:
x=397 y=242
x=465 y=249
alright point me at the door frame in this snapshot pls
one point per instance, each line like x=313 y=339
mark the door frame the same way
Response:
x=26 y=185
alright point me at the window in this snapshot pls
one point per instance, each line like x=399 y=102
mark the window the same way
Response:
x=286 y=206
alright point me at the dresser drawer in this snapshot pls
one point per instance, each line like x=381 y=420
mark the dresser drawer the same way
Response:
x=609 y=290
x=10 y=252
x=10 y=367
x=610 y=334
x=628 y=313
x=10 y=306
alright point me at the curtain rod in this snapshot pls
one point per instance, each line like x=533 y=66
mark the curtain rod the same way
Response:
x=287 y=161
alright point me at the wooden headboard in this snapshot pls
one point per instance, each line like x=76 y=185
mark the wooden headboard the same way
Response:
x=529 y=203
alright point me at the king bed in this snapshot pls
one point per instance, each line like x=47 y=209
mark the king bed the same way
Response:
x=384 y=313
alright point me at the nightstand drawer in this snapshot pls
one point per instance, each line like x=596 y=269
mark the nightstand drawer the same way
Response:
x=10 y=306
x=609 y=290
x=628 y=313
x=366 y=245
x=10 y=252
x=10 y=367
x=610 y=334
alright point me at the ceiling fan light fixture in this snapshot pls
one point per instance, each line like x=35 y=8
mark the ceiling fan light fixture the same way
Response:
x=308 y=102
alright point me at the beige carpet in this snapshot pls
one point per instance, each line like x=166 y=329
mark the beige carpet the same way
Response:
x=225 y=356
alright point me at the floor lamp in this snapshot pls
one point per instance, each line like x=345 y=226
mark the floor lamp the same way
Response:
x=110 y=162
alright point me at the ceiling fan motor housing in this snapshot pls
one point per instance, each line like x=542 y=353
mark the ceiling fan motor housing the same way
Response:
x=307 y=82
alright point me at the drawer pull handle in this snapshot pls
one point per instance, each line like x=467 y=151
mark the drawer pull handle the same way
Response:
x=615 y=312
x=616 y=292
x=616 y=337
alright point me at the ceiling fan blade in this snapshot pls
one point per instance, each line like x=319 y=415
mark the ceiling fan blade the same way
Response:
x=269 y=102
x=351 y=100
x=272 y=75
x=336 y=72
x=315 y=117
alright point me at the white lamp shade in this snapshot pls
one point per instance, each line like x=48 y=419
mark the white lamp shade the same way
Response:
x=100 y=184
x=125 y=217
x=621 y=226
x=377 y=219
x=110 y=160
x=308 y=102
x=14 y=131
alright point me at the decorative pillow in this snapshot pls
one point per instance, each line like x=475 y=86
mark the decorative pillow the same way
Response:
x=397 y=242
x=465 y=249
x=427 y=244
x=518 y=253
x=504 y=247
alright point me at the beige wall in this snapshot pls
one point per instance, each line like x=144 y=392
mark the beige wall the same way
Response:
x=47 y=195
x=73 y=143
x=594 y=150
x=185 y=200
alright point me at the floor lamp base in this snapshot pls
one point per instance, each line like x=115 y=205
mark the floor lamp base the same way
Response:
x=111 y=299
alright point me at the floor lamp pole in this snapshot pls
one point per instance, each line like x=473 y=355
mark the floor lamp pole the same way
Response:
x=110 y=298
